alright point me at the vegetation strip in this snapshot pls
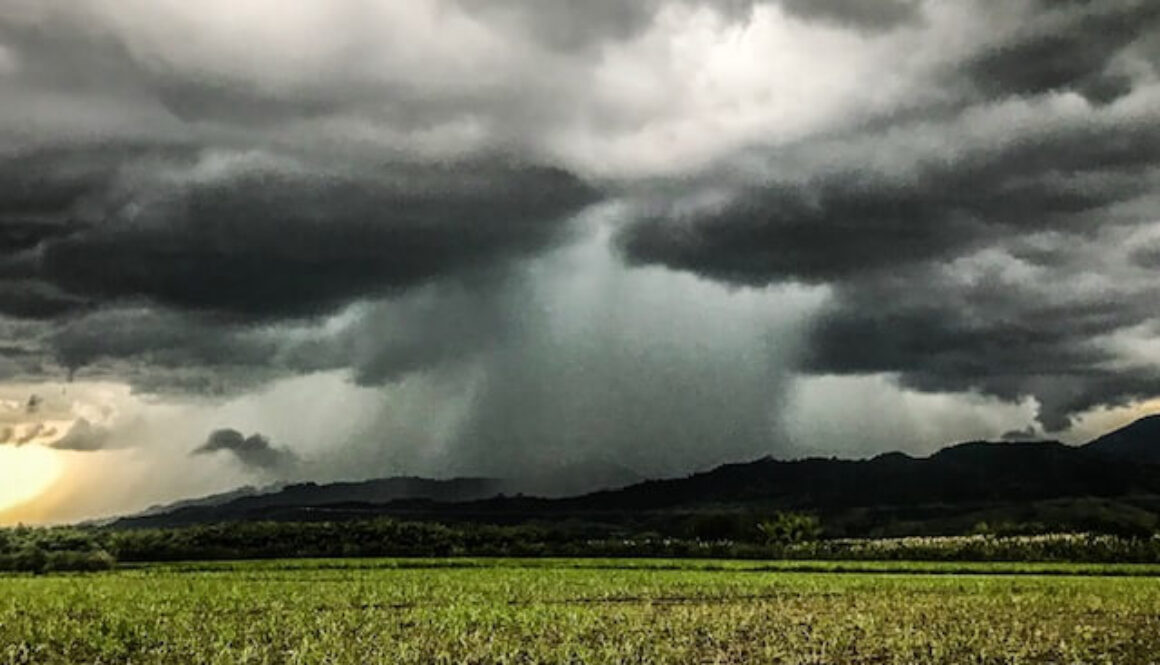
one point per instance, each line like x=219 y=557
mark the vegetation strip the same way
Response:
x=570 y=611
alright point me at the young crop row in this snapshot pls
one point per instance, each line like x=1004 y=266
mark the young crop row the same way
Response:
x=565 y=612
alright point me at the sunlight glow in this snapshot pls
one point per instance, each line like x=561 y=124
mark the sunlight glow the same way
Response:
x=26 y=473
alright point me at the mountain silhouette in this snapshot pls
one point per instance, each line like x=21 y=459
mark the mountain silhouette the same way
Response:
x=1139 y=441
x=1108 y=481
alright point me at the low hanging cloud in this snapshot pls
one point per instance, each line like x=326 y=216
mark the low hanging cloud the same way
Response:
x=84 y=436
x=254 y=451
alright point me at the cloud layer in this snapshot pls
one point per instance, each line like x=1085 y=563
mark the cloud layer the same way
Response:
x=528 y=231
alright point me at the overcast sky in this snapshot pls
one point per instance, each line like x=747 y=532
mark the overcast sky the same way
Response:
x=248 y=241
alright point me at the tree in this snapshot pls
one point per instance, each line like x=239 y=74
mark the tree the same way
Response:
x=789 y=528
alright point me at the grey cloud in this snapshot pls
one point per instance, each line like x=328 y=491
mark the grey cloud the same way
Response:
x=1147 y=256
x=85 y=222
x=51 y=193
x=567 y=26
x=784 y=232
x=159 y=337
x=35 y=299
x=254 y=451
x=1066 y=46
x=884 y=237
x=838 y=225
x=184 y=222
x=83 y=436
x=576 y=359
x=292 y=242
x=873 y=15
x=1011 y=337
x=1028 y=433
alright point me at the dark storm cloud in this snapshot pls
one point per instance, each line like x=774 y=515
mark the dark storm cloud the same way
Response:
x=341 y=193
x=838 y=226
x=1028 y=433
x=254 y=451
x=565 y=25
x=432 y=327
x=47 y=195
x=274 y=244
x=885 y=228
x=1011 y=337
x=85 y=221
x=167 y=351
x=50 y=193
x=159 y=338
x=1147 y=256
x=1066 y=46
x=874 y=15
x=34 y=299
x=272 y=241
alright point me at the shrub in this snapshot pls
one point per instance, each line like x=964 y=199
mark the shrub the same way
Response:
x=790 y=528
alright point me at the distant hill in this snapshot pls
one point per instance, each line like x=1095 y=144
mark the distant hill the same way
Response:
x=1018 y=482
x=313 y=500
x=1138 y=442
x=572 y=479
x=562 y=480
x=968 y=472
x=211 y=500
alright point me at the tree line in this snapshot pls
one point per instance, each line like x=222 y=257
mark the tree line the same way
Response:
x=779 y=536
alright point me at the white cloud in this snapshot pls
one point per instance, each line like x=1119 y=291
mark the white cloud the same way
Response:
x=857 y=416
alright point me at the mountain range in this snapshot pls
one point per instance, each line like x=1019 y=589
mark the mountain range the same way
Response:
x=1110 y=482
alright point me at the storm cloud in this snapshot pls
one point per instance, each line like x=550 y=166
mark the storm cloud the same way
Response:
x=975 y=248
x=516 y=233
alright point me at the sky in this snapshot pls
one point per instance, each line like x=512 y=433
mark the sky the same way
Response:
x=260 y=242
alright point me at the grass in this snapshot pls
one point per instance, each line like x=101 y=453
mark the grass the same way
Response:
x=584 y=611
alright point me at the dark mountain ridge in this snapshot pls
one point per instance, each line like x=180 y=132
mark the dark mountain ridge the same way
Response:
x=961 y=479
x=1139 y=441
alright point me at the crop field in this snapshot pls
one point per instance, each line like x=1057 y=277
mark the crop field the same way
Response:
x=583 y=611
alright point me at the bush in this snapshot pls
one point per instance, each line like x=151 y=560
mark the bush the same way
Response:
x=53 y=550
x=790 y=528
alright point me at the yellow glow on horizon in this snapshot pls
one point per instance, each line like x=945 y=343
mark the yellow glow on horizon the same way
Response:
x=26 y=473
x=1101 y=421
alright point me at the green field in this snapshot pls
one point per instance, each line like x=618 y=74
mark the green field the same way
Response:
x=584 y=611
